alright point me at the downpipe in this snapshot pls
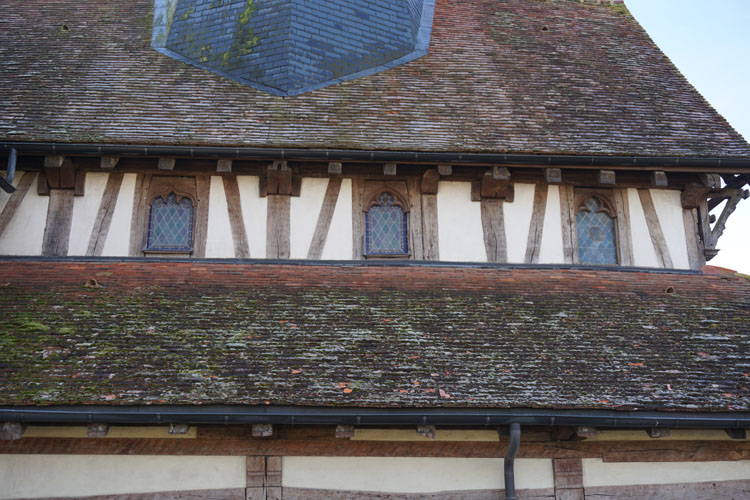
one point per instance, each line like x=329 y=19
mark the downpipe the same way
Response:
x=7 y=183
x=510 y=458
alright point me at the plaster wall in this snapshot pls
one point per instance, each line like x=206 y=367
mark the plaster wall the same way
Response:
x=88 y=475
x=25 y=232
x=517 y=217
x=598 y=473
x=644 y=254
x=219 y=242
x=338 y=245
x=85 y=211
x=118 y=237
x=668 y=205
x=411 y=475
x=551 y=250
x=304 y=212
x=254 y=209
x=460 y=234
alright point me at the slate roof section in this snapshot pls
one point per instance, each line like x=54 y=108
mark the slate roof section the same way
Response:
x=289 y=47
x=493 y=81
x=367 y=336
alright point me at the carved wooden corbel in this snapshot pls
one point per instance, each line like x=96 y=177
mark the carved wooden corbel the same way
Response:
x=280 y=179
x=60 y=173
x=494 y=185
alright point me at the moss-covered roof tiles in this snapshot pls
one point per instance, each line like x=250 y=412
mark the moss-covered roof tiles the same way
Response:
x=520 y=76
x=358 y=335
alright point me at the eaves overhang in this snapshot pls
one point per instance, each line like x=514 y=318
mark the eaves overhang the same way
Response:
x=729 y=165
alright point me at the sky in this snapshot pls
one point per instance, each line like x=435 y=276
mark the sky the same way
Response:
x=709 y=42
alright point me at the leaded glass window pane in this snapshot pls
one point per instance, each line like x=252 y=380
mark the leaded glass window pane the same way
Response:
x=170 y=225
x=596 y=234
x=386 y=228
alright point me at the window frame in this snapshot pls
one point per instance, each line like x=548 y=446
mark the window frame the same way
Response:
x=609 y=206
x=398 y=189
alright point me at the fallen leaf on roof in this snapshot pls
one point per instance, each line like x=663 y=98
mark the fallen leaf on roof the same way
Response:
x=444 y=394
x=295 y=372
x=347 y=391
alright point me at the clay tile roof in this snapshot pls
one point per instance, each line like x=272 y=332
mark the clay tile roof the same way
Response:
x=523 y=76
x=127 y=333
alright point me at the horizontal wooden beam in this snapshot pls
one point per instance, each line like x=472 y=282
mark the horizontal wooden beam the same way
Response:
x=654 y=450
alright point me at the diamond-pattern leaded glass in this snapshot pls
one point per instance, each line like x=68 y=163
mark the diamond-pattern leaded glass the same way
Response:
x=596 y=234
x=386 y=228
x=170 y=225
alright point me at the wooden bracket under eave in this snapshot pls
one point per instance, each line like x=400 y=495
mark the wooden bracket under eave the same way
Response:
x=693 y=195
x=108 y=162
x=494 y=185
x=430 y=179
x=280 y=179
x=64 y=176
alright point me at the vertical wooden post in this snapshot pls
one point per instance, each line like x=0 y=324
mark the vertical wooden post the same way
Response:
x=277 y=226
x=430 y=233
x=59 y=221
x=568 y=478
x=263 y=478
x=416 y=244
x=624 y=235
x=358 y=219
x=493 y=227
x=568 y=219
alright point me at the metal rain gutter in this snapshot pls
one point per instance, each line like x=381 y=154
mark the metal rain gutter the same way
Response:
x=636 y=162
x=302 y=415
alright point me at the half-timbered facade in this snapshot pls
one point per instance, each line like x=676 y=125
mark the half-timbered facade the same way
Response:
x=267 y=249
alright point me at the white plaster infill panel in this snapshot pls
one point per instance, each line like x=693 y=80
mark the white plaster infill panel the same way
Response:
x=219 y=242
x=598 y=473
x=24 y=233
x=517 y=216
x=668 y=205
x=36 y=476
x=118 y=236
x=303 y=215
x=254 y=210
x=338 y=244
x=460 y=233
x=644 y=254
x=551 y=250
x=85 y=211
x=411 y=475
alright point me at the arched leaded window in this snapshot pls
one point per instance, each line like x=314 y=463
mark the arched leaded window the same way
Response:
x=595 y=226
x=385 y=227
x=170 y=224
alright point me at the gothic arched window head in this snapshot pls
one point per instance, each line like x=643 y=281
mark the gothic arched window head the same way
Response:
x=595 y=226
x=170 y=224
x=385 y=227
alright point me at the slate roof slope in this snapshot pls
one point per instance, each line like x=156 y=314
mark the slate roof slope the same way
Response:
x=493 y=80
x=367 y=336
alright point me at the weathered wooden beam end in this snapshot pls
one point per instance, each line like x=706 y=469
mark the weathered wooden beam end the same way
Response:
x=262 y=430
x=224 y=166
x=166 y=163
x=606 y=177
